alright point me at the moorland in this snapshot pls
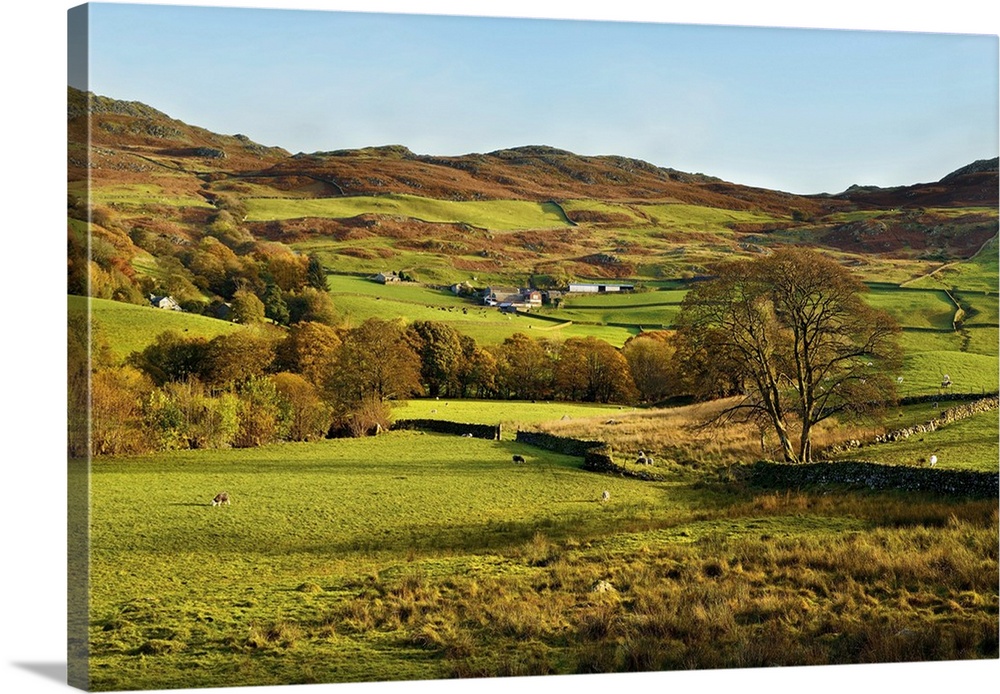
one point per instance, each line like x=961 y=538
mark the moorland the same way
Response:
x=357 y=550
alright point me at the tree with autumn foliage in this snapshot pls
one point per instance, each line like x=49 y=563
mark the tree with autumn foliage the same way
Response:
x=440 y=349
x=651 y=361
x=591 y=370
x=793 y=333
x=374 y=365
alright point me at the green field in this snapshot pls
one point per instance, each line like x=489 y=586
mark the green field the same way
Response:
x=924 y=371
x=186 y=584
x=130 y=328
x=511 y=413
x=624 y=300
x=650 y=317
x=138 y=195
x=356 y=299
x=968 y=444
x=979 y=274
x=914 y=309
x=416 y=556
x=490 y=214
x=700 y=218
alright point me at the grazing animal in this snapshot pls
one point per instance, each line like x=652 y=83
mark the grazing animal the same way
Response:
x=933 y=460
x=221 y=498
x=606 y=496
x=518 y=458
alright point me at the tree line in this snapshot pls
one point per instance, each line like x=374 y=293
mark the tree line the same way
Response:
x=263 y=384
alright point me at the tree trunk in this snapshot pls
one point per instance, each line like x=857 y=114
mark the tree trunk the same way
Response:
x=805 y=443
x=786 y=443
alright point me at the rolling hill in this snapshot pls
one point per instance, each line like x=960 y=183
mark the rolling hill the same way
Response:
x=171 y=208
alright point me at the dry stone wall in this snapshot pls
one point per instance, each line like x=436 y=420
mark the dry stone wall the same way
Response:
x=439 y=426
x=952 y=414
x=873 y=476
x=597 y=455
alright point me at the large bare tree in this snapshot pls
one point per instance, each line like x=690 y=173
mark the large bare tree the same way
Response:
x=791 y=334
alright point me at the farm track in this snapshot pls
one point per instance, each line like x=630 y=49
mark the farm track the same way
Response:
x=943 y=266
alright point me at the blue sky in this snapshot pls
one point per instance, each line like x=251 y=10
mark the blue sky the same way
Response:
x=801 y=110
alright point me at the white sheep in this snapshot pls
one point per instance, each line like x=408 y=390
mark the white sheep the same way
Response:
x=933 y=460
x=606 y=496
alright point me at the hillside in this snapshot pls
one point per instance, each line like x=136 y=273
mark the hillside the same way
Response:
x=175 y=209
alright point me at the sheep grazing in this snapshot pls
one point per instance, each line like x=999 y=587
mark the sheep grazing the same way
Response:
x=606 y=496
x=221 y=498
x=518 y=459
x=933 y=460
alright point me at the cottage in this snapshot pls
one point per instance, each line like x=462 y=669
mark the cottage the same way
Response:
x=387 y=277
x=531 y=297
x=511 y=300
x=165 y=302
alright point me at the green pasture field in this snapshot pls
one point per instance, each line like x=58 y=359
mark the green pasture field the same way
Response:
x=982 y=308
x=700 y=218
x=606 y=207
x=130 y=328
x=650 y=317
x=967 y=444
x=401 y=291
x=488 y=214
x=179 y=588
x=980 y=273
x=510 y=413
x=437 y=268
x=931 y=341
x=357 y=299
x=915 y=309
x=614 y=300
x=419 y=556
x=923 y=373
x=983 y=340
x=139 y=194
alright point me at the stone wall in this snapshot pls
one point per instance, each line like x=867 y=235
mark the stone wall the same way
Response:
x=952 y=414
x=440 y=426
x=559 y=444
x=597 y=455
x=874 y=476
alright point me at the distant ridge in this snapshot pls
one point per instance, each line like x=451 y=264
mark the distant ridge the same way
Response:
x=980 y=166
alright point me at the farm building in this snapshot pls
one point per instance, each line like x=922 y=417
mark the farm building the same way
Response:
x=512 y=299
x=387 y=277
x=165 y=302
x=599 y=288
x=462 y=289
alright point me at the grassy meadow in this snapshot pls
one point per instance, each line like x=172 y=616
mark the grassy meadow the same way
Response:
x=131 y=328
x=968 y=444
x=490 y=214
x=429 y=556
x=421 y=556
